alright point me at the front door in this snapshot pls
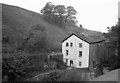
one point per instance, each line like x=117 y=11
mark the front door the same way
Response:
x=71 y=63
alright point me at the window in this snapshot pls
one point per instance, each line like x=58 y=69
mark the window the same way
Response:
x=80 y=45
x=66 y=60
x=66 y=52
x=94 y=64
x=79 y=63
x=71 y=44
x=80 y=53
x=71 y=63
x=67 y=45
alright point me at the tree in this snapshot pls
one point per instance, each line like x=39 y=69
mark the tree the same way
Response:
x=17 y=64
x=113 y=46
x=59 y=14
x=80 y=26
x=113 y=35
x=15 y=67
x=48 y=10
x=60 y=11
x=70 y=15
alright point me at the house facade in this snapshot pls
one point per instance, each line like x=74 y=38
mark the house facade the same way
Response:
x=80 y=51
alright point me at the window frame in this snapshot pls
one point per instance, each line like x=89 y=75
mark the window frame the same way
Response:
x=80 y=63
x=94 y=64
x=71 y=44
x=67 y=44
x=80 y=45
x=66 y=61
x=80 y=53
x=67 y=52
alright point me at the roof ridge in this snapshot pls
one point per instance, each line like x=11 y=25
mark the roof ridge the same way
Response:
x=87 y=38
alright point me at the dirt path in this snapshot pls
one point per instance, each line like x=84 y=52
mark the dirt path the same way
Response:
x=44 y=74
x=37 y=76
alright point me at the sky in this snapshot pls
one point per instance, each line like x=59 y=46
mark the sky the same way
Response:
x=92 y=14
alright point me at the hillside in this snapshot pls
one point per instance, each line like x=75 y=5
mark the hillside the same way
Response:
x=17 y=23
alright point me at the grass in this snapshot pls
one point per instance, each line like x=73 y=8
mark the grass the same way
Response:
x=63 y=75
x=18 y=22
x=75 y=74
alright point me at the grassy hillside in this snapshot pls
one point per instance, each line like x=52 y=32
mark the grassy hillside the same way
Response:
x=17 y=23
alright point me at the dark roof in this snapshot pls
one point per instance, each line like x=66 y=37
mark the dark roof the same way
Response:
x=88 y=38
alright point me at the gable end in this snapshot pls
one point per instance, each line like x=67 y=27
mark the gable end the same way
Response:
x=83 y=39
x=76 y=36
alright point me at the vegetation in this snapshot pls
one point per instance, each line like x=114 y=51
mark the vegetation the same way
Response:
x=113 y=46
x=59 y=14
x=15 y=67
x=16 y=64
x=27 y=38
x=17 y=26
x=25 y=42
x=63 y=75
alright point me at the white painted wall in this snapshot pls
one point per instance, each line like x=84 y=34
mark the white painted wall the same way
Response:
x=71 y=55
x=85 y=53
x=74 y=52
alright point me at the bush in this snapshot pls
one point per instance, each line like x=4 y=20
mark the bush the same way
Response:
x=15 y=67
x=112 y=63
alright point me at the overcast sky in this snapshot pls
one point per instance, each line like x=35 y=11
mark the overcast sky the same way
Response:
x=92 y=14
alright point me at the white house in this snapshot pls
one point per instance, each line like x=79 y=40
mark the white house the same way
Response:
x=77 y=49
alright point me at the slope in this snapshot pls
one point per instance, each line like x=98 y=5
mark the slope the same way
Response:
x=18 y=22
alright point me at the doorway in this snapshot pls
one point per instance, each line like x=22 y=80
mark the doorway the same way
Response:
x=71 y=62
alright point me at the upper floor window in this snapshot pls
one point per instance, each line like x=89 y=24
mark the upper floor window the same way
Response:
x=71 y=44
x=80 y=53
x=66 y=52
x=80 y=63
x=67 y=44
x=80 y=44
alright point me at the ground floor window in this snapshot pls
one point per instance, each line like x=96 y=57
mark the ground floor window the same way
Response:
x=66 y=61
x=66 y=52
x=80 y=63
x=94 y=64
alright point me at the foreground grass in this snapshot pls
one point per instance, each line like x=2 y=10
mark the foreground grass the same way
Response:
x=62 y=75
